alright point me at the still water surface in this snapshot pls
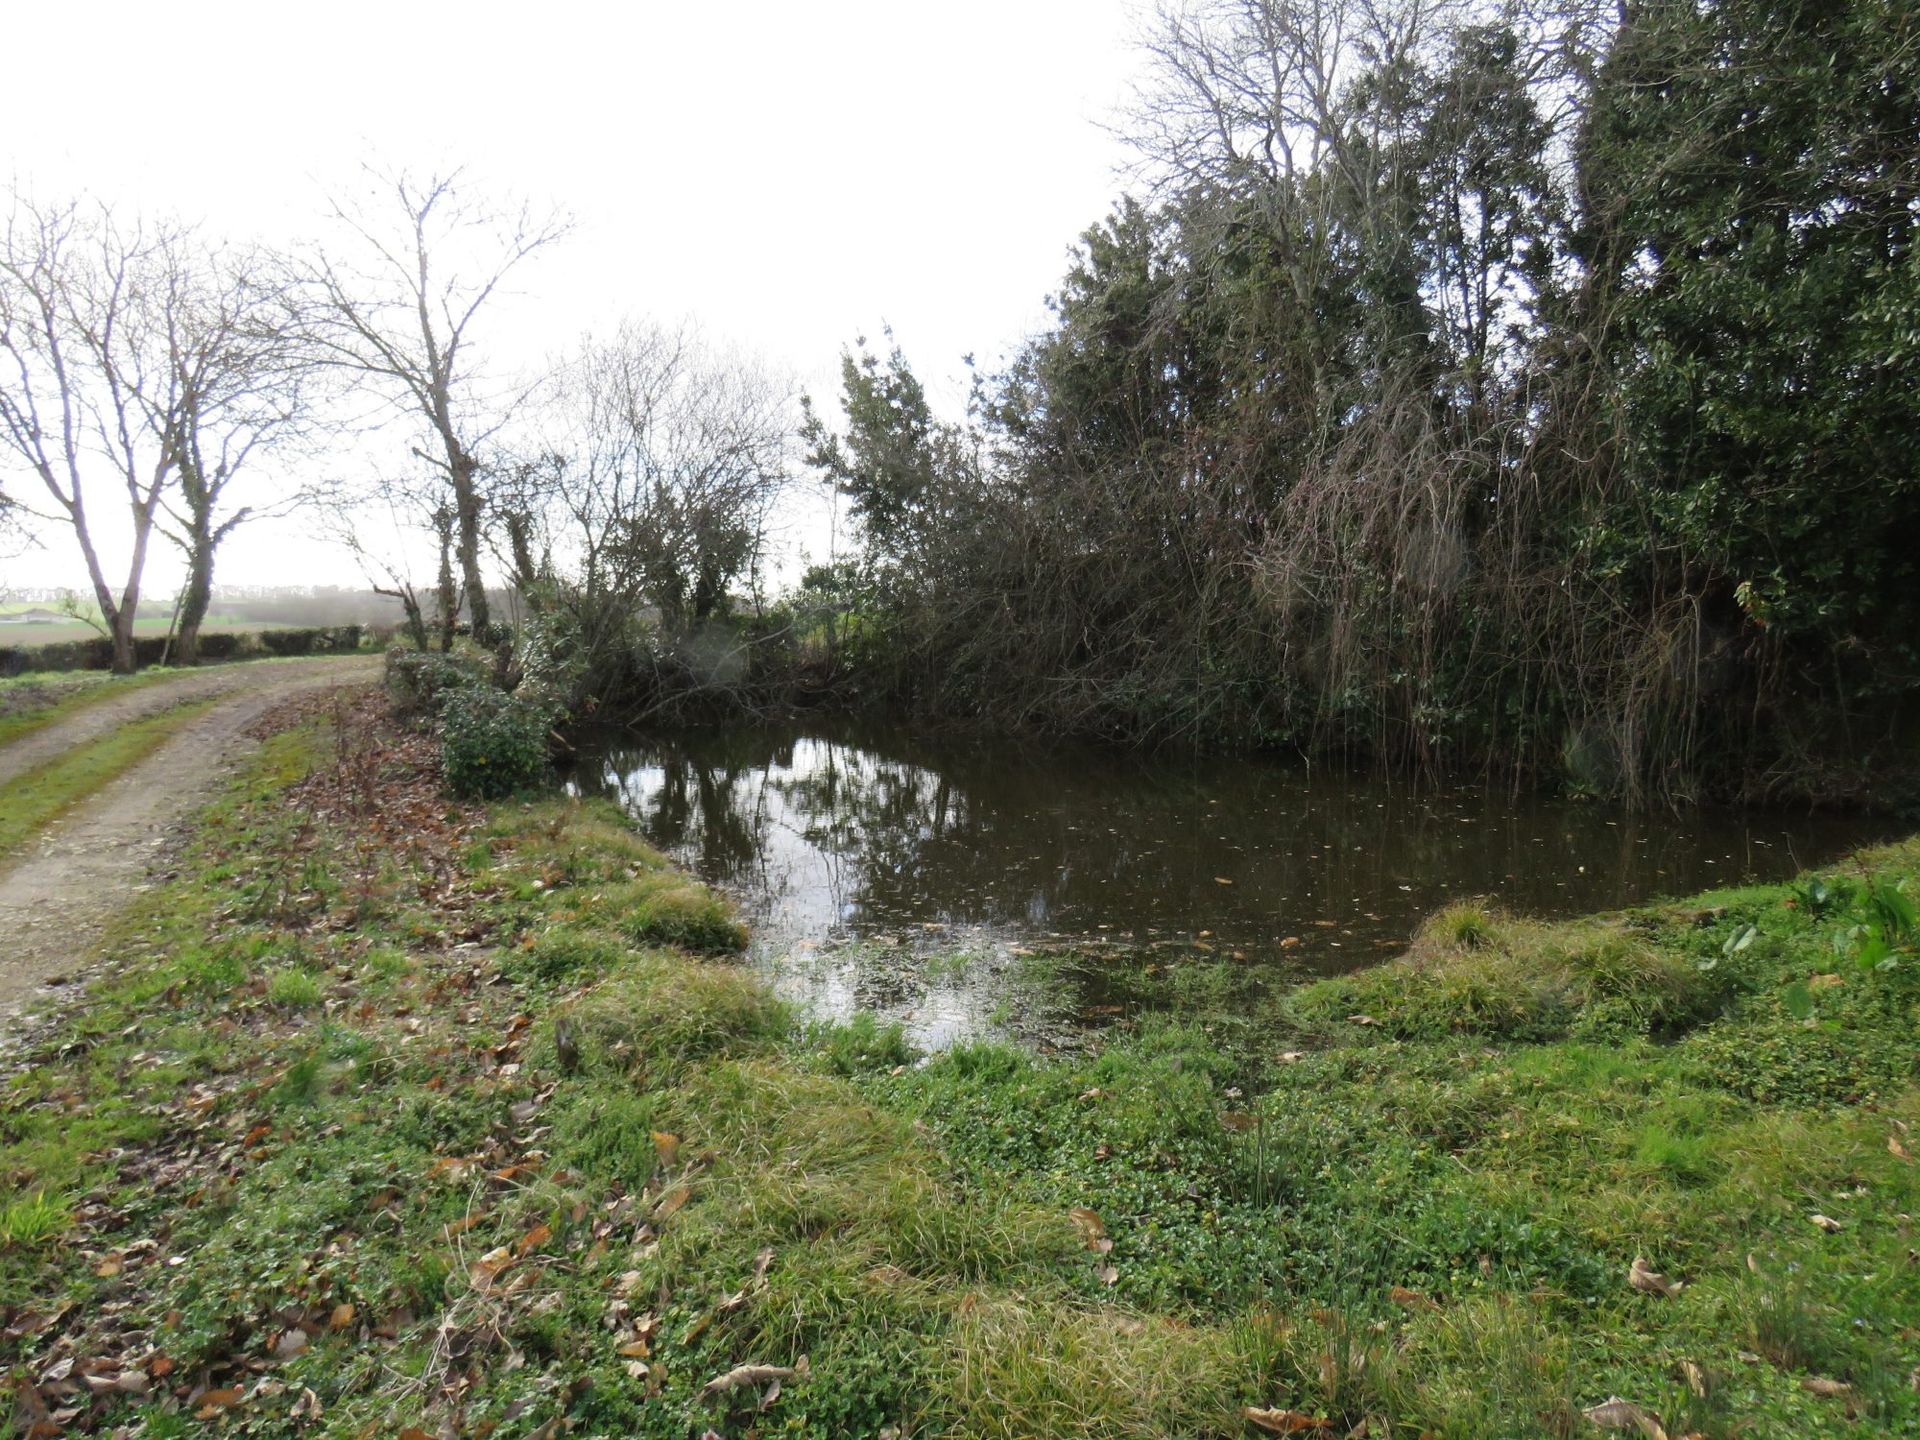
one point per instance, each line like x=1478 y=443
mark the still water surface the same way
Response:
x=888 y=873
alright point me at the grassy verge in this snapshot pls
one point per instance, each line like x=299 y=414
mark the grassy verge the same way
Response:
x=30 y=801
x=404 y=1117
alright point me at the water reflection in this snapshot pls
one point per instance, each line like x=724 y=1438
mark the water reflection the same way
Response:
x=857 y=856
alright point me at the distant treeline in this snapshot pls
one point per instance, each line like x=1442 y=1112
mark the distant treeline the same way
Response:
x=1517 y=385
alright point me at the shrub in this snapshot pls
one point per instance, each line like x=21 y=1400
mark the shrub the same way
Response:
x=417 y=680
x=491 y=743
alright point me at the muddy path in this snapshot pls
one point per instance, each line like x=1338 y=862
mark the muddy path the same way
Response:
x=105 y=716
x=58 y=891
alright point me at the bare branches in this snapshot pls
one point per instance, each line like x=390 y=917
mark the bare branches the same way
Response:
x=396 y=307
x=85 y=301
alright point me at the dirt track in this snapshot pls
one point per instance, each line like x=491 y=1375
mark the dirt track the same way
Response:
x=58 y=891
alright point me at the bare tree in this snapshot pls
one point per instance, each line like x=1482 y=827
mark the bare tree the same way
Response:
x=83 y=322
x=667 y=463
x=242 y=386
x=645 y=496
x=398 y=307
x=385 y=557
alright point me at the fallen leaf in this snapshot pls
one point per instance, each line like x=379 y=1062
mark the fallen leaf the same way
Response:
x=1106 y=1275
x=1826 y=1223
x=1363 y=1019
x=1284 y=1422
x=1897 y=1150
x=667 y=1146
x=1696 y=1378
x=290 y=1344
x=671 y=1201
x=1221 y=880
x=533 y=1240
x=755 y=1375
x=1651 y=1282
x=1618 y=1414
x=1089 y=1224
x=1292 y=1057
x=1411 y=1299
x=212 y=1402
x=1827 y=1389
x=341 y=1318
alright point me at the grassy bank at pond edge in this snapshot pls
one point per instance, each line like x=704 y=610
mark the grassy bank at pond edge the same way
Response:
x=398 y=1113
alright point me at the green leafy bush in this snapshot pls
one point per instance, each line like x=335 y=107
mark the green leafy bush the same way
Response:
x=418 y=680
x=491 y=743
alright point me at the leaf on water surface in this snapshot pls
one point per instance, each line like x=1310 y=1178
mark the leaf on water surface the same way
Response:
x=1618 y=1414
x=1649 y=1281
x=1221 y=880
x=1285 y=1422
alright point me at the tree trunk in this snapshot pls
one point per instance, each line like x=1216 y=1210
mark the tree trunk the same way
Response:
x=199 y=595
x=466 y=499
x=449 y=595
x=125 y=662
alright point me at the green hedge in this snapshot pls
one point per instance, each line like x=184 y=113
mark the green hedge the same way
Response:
x=97 y=653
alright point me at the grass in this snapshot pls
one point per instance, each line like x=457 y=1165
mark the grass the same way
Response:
x=33 y=800
x=507 y=1142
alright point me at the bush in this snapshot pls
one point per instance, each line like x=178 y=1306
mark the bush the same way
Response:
x=419 y=680
x=491 y=743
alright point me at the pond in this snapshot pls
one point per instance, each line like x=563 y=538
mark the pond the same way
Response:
x=980 y=888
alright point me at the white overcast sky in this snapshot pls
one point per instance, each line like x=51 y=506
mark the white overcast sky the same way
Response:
x=791 y=175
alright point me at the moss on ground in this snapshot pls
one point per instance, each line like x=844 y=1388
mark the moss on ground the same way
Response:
x=463 y=1120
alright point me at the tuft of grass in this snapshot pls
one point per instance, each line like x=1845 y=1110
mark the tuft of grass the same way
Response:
x=33 y=1221
x=661 y=1013
x=1019 y=1371
x=854 y=1046
x=293 y=989
x=1468 y=973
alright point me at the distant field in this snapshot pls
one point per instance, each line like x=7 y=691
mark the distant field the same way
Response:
x=56 y=632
